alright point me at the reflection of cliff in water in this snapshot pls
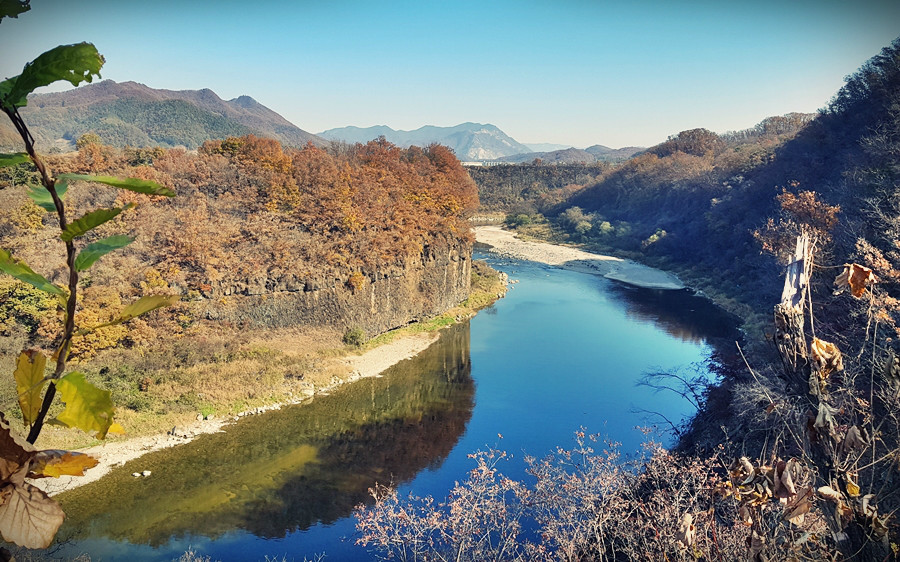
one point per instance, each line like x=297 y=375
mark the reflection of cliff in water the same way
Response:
x=680 y=314
x=290 y=469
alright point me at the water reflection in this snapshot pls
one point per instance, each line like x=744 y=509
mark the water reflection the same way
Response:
x=680 y=314
x=290 y=469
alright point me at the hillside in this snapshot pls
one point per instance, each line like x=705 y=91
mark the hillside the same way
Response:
x=132 y=114
x=469 y=141
x=532 y=187
x=726 y=213
x=591 y=155
x=371 y=238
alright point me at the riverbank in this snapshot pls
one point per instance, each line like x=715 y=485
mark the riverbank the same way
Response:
x=116 y=452
x=374 y=361
x=506 y=243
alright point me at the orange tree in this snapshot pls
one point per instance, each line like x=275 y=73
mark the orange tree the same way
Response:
x=28 y=516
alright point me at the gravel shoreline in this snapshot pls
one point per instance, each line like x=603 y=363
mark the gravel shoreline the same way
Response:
x=505 y=243
x=113 y=453
x=116 y=452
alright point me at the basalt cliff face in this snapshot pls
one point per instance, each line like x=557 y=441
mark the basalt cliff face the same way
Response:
x=416 y=288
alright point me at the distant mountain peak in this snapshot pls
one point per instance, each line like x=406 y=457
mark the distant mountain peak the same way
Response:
x=470 y=141
x=244 y=101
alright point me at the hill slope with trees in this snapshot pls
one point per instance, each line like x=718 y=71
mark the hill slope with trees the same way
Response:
x=367 y=236
x=132 y=114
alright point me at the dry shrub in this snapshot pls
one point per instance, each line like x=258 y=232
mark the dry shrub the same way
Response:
x=584 y=505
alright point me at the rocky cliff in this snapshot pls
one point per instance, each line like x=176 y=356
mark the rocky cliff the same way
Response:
x=419 y=287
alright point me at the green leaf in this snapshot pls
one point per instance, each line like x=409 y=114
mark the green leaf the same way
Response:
x=141 y=306
x=145 y=304
x=42 y=197
x=87 y=407
x=131 y=184
x=21 y=271
x=72 y=63
x=29 y=375
x=13 y=159
x=90 y=221
x=12 y=8
x=96 y=250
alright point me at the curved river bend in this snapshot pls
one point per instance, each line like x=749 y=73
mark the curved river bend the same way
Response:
x=563 y=350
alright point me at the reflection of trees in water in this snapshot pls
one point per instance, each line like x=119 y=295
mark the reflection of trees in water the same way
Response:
x=290 y=469
x=680 y=314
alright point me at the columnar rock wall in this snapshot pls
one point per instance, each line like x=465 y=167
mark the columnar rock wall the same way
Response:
x=419 y=287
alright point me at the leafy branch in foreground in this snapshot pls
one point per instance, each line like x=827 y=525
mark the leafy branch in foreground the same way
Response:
x=28 y=516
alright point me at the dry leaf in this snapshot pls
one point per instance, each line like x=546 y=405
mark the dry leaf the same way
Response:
x=855 y=438
x=854 y=277
x=757 y=544
x=892 y=368
x=15 y=452
x=826 y=357
x=868 y=506
x=797 y=509
x=784 y=482
x=829 y=493
x=852 y=487
x=825 y=417
x=686 y=530
x=29 y=517
x=56 y=463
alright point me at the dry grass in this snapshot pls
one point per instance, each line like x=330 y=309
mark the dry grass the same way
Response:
x=228 y=372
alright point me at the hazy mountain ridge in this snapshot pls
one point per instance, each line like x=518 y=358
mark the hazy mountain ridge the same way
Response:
x=470 y=141
x=130 y=113
x=591 y=155
x=547 y=146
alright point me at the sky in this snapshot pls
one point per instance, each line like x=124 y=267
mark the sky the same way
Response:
x=576 y=72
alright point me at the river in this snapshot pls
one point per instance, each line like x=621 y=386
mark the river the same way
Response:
x=563 y=350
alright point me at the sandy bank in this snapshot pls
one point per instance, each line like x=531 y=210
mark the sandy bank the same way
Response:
x=505 y=243
x=116 y=452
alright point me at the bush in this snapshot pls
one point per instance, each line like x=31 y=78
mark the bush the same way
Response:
x=355 y=337
x=517 y=220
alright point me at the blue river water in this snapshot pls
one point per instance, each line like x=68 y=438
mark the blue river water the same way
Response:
x=562 y=351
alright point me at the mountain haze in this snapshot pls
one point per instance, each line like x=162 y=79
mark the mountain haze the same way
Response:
x=470 y=141
x=133 y=114
x=590 y=155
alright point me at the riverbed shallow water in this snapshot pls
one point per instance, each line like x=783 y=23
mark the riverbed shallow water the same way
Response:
x=564 y=350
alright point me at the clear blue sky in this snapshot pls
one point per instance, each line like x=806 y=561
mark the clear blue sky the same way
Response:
x=563 y=71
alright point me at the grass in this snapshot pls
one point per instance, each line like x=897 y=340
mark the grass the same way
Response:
x=226 y=373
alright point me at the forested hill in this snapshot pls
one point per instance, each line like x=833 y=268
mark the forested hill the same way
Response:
x=132 y=114
x=367 y=236
x=718 y=204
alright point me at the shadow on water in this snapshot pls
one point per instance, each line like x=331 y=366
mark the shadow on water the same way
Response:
x=288 y=470
x=681 y=314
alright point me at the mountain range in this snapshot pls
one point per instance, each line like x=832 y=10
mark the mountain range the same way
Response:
x=470 y=141
x=133 y=114
x=589 y=155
